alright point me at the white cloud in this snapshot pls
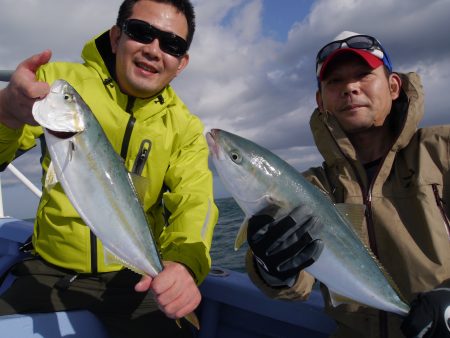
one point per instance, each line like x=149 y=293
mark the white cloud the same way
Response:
x=30 y=26
x=239 y=79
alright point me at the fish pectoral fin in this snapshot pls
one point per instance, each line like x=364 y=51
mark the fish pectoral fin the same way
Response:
x=50 y=178
x=241 y=236
x=266 y=203
x=71 y=150
x=274 y=203
x=337 y=299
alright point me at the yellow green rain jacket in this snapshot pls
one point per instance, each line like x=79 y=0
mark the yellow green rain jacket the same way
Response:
x=158 y=139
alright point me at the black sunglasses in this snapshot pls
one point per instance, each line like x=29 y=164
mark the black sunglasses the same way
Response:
x=143 y=32
x=358 y=42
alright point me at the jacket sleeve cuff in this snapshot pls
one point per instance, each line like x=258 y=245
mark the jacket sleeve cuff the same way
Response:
x=189 y=255
x=272 y=280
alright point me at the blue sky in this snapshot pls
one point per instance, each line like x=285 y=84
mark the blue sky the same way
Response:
x=280 y=15
x=251 y=70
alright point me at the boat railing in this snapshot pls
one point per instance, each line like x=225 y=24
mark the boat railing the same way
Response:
x=24 y=180
x=5 y=75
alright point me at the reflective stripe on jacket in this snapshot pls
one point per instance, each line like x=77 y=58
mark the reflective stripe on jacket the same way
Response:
x=159 y=139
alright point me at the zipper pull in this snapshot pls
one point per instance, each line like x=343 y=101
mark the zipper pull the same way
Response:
x=141 y=158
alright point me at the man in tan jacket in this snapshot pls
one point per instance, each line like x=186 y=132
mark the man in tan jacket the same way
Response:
x=365 y=127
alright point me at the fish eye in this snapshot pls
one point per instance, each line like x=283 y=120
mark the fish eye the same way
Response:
x=68 y=97
x=235 y=156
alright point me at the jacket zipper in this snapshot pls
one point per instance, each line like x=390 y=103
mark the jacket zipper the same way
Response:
x=141 y=158
x=94 y=264
x=129 y=128
x=382 y=315
x=440 y=204
x=367 y=200
x=369 y=220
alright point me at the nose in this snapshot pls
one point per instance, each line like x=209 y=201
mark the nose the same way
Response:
x=152 y=49
x=350 y=87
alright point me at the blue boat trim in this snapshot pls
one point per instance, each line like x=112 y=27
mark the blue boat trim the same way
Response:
x=231 y=305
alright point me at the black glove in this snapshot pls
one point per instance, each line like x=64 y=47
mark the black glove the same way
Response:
x=429 y=315
x=285 y=247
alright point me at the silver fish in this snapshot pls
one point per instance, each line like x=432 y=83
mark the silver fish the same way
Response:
x=259 y=180
x=86 y=164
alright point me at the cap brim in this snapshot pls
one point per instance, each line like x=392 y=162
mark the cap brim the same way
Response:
x=371 y=60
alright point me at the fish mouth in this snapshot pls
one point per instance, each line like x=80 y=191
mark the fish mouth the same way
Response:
x=61 y=134
x=212 y=144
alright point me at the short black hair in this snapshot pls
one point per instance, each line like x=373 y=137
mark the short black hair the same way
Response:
x=184 y=6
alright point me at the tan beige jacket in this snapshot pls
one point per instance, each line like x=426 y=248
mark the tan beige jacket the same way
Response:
x=407 y=206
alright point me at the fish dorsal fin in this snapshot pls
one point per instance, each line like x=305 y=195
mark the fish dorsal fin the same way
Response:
x=354 y=213
x=50 y=178
x=140 y=185
x=241 y=236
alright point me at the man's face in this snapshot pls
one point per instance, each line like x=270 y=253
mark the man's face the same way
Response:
x=359 y=97
x=143 y=70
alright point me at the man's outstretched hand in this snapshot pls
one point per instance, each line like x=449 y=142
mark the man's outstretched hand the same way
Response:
x=17 y=99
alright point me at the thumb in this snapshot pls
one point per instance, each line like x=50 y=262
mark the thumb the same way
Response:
x=144 y=284
x=25 y=75
x=34 y=62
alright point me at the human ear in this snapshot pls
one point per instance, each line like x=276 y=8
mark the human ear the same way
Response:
x=183 y=63
x=114 y=36
x=395 y=84
x=319 y=101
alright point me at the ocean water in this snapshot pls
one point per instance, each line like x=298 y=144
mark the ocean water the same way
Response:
x=222 y=249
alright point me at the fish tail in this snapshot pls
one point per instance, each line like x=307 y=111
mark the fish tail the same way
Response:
x=191 y=318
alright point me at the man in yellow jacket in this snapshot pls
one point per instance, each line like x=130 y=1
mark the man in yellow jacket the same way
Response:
x=125 y=80
x=366 y=128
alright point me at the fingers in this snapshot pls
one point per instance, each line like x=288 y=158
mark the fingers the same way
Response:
x=24 y=78
x=144 y=284
x=17 y=99
x=305 y=257
x=258 y=226
x=175 y=291
x=179 y=304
